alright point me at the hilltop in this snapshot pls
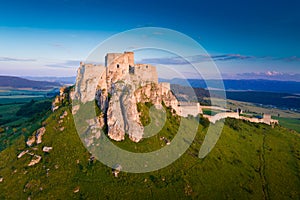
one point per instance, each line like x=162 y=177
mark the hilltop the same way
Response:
x=250 y=161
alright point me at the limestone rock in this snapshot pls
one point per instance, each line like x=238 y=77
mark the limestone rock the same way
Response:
x=77 y=189
x=65 y=113
x=47 y=149
x=115 y=121
x=39 y=134
x=116 y=169
x=22 y=153
x=75 y=108
x=35 y=160
x=93 y=131
x=30 y=141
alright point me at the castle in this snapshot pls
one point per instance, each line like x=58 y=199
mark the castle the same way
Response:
x=121 y=67
x=121 y=84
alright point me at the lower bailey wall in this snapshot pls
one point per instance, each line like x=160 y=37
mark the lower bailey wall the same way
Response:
x=266 y=119
x=213 y=119
x=190 y=109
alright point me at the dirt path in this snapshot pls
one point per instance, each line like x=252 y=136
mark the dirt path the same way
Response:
x=262 y=170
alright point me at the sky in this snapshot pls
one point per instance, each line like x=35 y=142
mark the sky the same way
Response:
x=246 y=39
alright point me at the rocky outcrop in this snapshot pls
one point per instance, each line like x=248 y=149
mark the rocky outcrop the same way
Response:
x=39 y=134
x=93 y=132
x=23 y=153
x=30 y=141
x=47 y=149
x=122 y=114
x=63 y=92
x=156 y=94
x=35 y=160
x=117 y=88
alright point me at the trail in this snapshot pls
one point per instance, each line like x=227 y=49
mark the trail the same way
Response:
x=262 y=171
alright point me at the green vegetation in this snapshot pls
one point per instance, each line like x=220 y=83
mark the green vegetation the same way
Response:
x=250 y=161
x=150 y=118
x=33 y=107
x=144 y=110
x=21 y=119
x=290 y=123
x=211 y=112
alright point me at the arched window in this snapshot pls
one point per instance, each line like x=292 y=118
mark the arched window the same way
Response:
x=118 y=65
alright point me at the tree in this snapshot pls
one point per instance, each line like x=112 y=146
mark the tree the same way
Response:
x=14 y=130
x=24 y=130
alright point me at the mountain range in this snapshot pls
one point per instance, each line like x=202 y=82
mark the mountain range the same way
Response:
x=18 y=83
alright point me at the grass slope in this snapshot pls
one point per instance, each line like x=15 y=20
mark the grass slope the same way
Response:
x=250 y=161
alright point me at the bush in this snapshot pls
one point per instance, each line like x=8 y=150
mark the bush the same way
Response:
x=33 y=107
x=233 y=123
x=203 y=121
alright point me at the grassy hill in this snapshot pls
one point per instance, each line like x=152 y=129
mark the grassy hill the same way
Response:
x=250 y=161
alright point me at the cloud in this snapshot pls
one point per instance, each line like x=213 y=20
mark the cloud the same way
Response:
x=66 y=64
x=195 y=59
x=292 y=58
x=216 y=58
x=226 y=57
x=11 y=59
x=268 y=75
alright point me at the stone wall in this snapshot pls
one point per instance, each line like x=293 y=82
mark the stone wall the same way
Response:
x=144 y=74
x=87 y=81
x=266 y=119
x=190 y=108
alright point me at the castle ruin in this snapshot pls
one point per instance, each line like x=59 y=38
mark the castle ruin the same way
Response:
x=121 y=84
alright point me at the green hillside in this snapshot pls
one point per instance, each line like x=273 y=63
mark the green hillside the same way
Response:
x=250 y=161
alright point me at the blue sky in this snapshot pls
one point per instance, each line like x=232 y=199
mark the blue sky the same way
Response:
x=49 y=37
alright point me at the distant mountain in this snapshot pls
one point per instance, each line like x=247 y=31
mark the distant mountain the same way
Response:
x=244 y=85
x=62 y=80
x=17 y=83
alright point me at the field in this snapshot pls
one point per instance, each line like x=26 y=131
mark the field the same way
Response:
x=291 y=123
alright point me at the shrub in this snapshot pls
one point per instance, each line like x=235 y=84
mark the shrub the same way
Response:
x=233 y=123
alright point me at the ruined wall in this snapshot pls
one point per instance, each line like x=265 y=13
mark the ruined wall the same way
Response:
x=266 y=119
x=87 y=81
x=165 y=87
x=188 y=108
x=144 y=74
x=213 y=119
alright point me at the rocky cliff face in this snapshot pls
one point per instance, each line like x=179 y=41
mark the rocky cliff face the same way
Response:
x=117 y=88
